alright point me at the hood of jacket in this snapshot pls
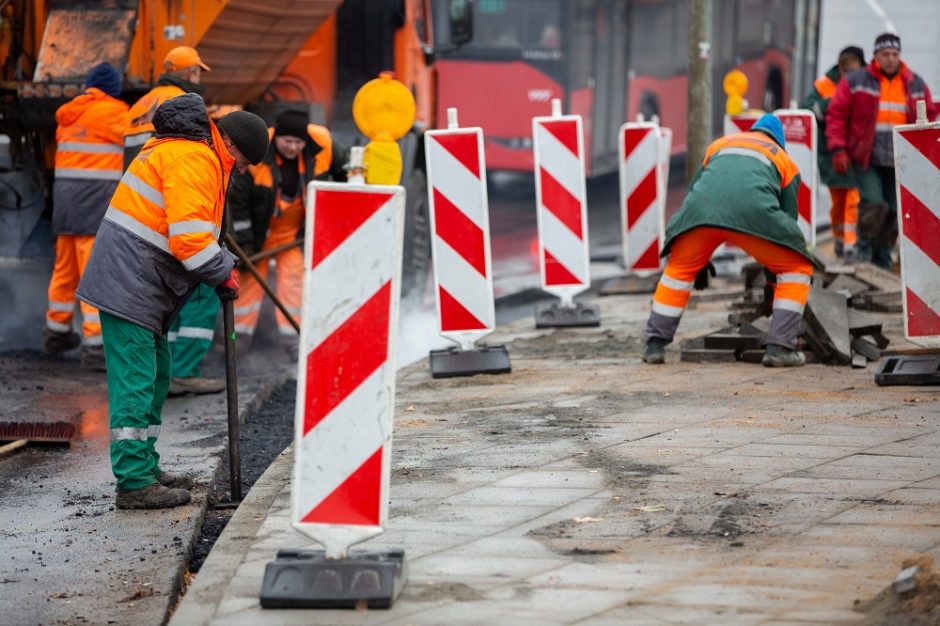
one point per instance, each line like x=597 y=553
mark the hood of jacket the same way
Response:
x=68 y=113
x=185 y=85
x=183 y=117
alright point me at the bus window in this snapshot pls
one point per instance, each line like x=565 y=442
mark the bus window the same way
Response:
x=583 y=33
x=652 y=39
x=517 y=24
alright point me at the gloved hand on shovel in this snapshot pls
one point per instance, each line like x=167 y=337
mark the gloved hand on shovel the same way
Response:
x=227 y=290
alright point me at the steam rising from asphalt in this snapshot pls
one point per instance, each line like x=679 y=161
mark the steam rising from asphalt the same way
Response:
x=417 y=328
x=23 y=296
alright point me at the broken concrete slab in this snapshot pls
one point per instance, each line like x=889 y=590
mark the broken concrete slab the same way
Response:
x=858 y=360
x=827 y=316
x=694 y=351
x=866 y=348
x=879 y=278
x=862 y=324
x=630 y=285
x=848 y=286
x=906 y=580
x=741 y=337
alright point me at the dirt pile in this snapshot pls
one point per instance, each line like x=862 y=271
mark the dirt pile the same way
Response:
x=919 y=607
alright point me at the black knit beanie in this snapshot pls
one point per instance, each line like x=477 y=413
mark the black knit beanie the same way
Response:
x=104 y=77
x=248 y=132
x=887 y=40
x=292 y=123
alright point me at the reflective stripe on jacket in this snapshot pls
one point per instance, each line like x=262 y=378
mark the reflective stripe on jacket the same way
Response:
x=140 y=117
x=853 y=111
x=89 y=140
x=159 y=238
x=747 y=183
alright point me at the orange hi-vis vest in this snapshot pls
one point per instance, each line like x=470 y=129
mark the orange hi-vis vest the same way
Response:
x=90 y=137
x=758 y=146
x=171 y=197
x=892 y=104
x=826 y=87
x=140 y=117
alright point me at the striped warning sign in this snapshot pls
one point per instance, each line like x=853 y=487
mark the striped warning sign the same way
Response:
x=561 y=200
x=346 y=379
x=917 y=165
x=641 y=196
x=799 y=128
x=740 y=123
x=459 y=212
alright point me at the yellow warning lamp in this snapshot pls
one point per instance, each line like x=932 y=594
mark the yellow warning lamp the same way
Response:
x=384 y=111
x=735 y=86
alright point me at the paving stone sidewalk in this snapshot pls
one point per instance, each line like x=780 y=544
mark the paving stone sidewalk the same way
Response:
x=589 y=488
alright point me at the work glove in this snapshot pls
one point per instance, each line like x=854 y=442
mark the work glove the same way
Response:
x=840 y=162
x=227 y=290
x=701 y=279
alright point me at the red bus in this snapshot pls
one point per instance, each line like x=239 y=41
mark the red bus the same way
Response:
x=609 y=60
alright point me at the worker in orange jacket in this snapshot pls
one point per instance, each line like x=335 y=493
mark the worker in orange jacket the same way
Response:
x=87 y=169
x=160 y=239
x=268 y=211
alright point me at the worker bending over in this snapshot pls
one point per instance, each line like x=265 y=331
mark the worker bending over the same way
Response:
x=268 y=211
x=160 y=239
x=745 y=194
x=89 y=137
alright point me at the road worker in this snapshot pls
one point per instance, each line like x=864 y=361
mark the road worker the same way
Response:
x=90 y=136
x=159 y=239
x=192 y=331
x=867 y=104
x=745 y=194
x=269 y=212
x=843 y=213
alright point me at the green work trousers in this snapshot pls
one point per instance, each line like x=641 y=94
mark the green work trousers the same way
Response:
x=191 y=332
x=877 y=214
x=138 y=363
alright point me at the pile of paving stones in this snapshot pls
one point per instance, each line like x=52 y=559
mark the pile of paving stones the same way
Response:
x=836 y=326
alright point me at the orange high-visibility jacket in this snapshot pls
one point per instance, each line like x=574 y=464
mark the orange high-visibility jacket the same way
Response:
x=90 y=139
x=160 y=236
x=140 y=117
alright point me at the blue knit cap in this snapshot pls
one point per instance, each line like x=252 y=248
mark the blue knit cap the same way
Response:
x=104 y=77
x=770 y=124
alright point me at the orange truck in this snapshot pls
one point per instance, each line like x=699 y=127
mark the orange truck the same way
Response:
x=264 y=56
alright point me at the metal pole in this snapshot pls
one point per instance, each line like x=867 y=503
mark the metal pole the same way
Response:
x=248 y=265
x=231 y=391
x=700 y=84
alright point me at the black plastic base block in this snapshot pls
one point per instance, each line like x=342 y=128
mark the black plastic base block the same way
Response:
x=579 y=315
x=306 y=579
x=909 y=370
x=484 y=360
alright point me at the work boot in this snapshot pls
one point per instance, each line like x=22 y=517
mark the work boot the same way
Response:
x=54 y=342
x=154 y=496
x=93 y=358
x=778 y=356
x=655 y=350
x=195 y=385
x=175 y=481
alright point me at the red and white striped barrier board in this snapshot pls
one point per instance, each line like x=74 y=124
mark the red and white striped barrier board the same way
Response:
x=799 y=129
x=460 y=226
x=740 y=123
x=917 y=165
x=665 y=154
x=642 y=196
x=561 y=198
x=346 y=378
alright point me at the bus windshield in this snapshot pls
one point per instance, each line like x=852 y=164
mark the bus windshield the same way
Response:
x=514 y=25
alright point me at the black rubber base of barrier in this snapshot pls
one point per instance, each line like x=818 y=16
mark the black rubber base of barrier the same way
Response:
x=909 y=370
x=555 y=316
x=306 y=579
x=484 y=360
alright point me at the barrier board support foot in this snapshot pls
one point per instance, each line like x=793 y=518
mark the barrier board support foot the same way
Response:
x=558 y=315
x=306 y=579
x=484 y=359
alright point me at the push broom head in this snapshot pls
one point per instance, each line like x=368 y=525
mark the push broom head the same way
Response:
x=46 y=432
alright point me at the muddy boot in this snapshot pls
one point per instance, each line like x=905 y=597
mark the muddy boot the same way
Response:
x=175 y=481
x=93 y=358
x=54 y=342
x=655 y=351
x=195 y=386
x=154 y=496
x=778 y=356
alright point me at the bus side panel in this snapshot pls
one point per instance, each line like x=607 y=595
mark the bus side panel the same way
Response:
x=582 y=103
x=666 y=97
x=500 y=97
